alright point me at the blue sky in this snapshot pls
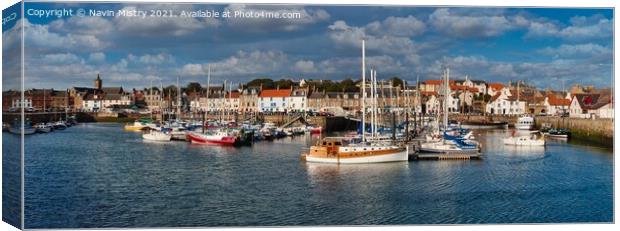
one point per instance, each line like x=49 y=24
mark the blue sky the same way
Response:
x=543 y=46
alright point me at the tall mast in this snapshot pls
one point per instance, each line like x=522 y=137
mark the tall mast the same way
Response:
x=208 y=84
x=44 y=100
x=178 y=99
x=447 y=96
x=151 y=97
x=363 y=91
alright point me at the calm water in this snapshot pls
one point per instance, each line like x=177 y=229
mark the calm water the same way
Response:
x=96 y=175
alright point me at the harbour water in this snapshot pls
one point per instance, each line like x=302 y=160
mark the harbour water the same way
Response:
x=96 y=175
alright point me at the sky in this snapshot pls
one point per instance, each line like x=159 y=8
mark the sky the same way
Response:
x=545 y=47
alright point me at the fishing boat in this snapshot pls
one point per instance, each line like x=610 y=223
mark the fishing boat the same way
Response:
x=339 y=151
x=42 y=128
x=530 y=140
x=155 y=135
x=219 y=137
x=556 y=133
x=315 y=130
x=525 y=123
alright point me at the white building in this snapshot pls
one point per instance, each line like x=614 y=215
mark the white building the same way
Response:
x=591 y=106
x=297 y=101
x=273 y=100
x=504 y=103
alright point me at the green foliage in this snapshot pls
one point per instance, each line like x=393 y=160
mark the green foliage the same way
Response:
x=396 y=81
x=265 y=82
x=193 y=87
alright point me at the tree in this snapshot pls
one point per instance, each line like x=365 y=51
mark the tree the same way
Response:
x=396 y=81
x=283 y=83
x=194 y=87
x=265 y=82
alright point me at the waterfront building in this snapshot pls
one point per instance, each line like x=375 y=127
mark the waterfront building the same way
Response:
x=297 y=101
x=556 y=103
x=60 y=100
x=494 y=88
x=591 y=106
x=153 y=99
x=315 y=101
x=96 y=97
x=248 y=100
x=431 y=103
x=11 y=100
x=231 y=101
x=273 y=100
x=505 y=103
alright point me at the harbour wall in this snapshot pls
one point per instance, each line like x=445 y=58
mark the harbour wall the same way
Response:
x=599 y=131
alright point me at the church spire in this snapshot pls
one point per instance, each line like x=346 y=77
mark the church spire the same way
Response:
x=98 y=83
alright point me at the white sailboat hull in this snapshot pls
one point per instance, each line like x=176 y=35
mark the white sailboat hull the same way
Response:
x=157 y=136
x=524 y=141
x=392 y=157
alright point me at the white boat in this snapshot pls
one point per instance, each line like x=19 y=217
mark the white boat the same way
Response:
x=42 y=128
x=525 y=123
x=525 y=140
x=155 y=135
x=28 y=129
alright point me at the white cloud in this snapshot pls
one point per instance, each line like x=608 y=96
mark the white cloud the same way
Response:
x=39 y=39
x=82 y=25
x=97 y=57
x=578 y=50
x=580 y=29
x=351 y=37
x=305 y=66
x=242 y=63
x=61 y=58
x=468 y=26
x=397 y=26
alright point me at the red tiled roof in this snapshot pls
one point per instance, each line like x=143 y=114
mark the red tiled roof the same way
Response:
x=496 y=86
x=495 y=96
x=437 y=82
x=275 y=93
x=233 y=95
x=427 y=93
x=555 y=101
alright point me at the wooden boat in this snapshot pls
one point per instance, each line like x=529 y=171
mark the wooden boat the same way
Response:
x=336 y=150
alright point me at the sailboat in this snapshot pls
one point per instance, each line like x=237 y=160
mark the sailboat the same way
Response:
x=157 y=135
x=448 y=141
x=341 y=150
